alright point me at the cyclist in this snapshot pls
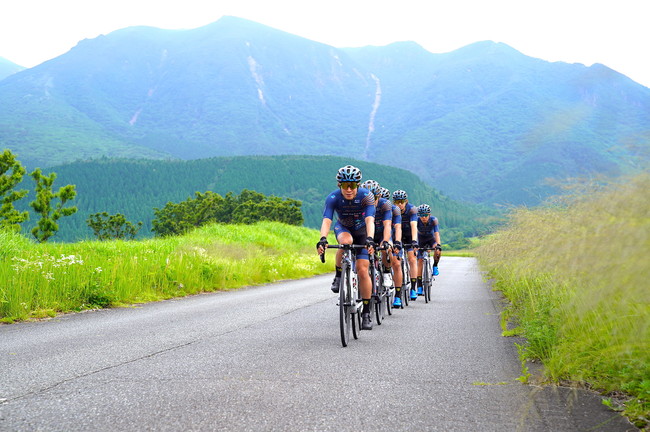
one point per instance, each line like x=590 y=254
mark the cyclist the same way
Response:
x=429 y=237
x=409 y=233
x=383 y=225
x=355 y=208
x=397 y=248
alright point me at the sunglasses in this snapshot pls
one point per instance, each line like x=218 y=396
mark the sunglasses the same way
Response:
x=400 y=201
x=349 y=185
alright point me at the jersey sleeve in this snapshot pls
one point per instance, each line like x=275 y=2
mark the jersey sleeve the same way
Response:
x=330 y=204
x=397 y=215
x=413 y=214
x=368 y=202
x=435 y=225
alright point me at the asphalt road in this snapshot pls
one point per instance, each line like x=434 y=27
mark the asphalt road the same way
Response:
x=270 y=358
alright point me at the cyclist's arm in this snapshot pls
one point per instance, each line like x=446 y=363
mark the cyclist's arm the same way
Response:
x=398 y=232
x=387 y=229
x=325 y=227
x=414 y=230
x=370 y=226
x=436 y=232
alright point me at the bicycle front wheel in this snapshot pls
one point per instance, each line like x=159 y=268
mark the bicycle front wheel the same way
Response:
x=427 y=291
x=390 y=298
x=345 y=307
x=406 y=284
x=426 y=281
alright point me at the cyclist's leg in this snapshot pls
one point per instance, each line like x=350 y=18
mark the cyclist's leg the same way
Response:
x=413 y=265
x=363 y=274
x=343 y=236
x=397 y=278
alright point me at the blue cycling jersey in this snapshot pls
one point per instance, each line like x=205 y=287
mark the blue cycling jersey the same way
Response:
x=410 y=214
x=383 y=212
x=397 y=215
x=351 y=213
x=426 y=231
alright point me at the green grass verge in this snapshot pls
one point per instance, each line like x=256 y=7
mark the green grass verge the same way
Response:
x=41 y=280
x=576 y=274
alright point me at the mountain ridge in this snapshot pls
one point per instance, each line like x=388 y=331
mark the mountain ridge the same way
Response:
x=483 y=123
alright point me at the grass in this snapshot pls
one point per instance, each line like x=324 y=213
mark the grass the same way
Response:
x=41 y=280
x=576 y=273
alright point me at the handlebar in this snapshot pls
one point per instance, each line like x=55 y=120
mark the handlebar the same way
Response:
x=348 y=247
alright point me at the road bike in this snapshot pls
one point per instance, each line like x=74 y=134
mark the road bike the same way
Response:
x=406 y=276
x=350 y=302
x=427 y=273
x=380 y=294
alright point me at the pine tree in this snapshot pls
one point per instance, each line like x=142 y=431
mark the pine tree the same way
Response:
x=10 y=218
x=47 y=225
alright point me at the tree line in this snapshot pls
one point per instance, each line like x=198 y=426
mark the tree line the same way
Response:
x=172 y=219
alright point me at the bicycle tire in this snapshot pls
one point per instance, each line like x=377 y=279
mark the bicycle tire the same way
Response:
x=355 y=311
x=406 y=282
x=426 y=280
x=378 y=301
x=376 y=292
x=430 y=285
x=345 y=306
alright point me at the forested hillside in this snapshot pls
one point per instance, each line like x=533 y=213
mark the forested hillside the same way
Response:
x=135 y=187
x=484 y=123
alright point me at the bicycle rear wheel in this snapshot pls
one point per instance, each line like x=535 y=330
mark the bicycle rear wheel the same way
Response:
x=345 y=307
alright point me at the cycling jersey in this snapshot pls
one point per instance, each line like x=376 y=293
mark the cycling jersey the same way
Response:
x=383 y=212
x=426 y=231
x=351 y=213
x=410 y=214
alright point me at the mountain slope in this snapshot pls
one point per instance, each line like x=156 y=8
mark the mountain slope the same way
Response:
x=8 y=68
x=489 y=120
x=483 y=123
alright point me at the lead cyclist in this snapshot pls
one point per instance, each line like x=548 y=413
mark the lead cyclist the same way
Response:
x=355 y=208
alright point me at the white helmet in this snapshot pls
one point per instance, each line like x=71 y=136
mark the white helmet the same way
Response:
x=348 y=173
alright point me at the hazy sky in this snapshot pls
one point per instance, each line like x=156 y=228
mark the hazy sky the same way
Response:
x=614 y=33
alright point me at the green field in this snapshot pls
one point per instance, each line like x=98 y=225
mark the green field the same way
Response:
x=40 y=280
x=576 y=273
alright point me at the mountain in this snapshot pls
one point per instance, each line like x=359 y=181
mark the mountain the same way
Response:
x=8 y=68
x=484 y=123
x=135 y=187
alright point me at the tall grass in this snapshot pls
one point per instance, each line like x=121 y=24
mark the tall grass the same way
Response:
x=38 y=280
x=577 y=274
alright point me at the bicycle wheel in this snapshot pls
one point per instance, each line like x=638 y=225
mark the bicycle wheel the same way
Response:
x=345 y=307
x=379 y=310
x=390 y=298
x=376 y=294
x=426 y=280
x=406 y=282
x=427 y=292
x=355 y=309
